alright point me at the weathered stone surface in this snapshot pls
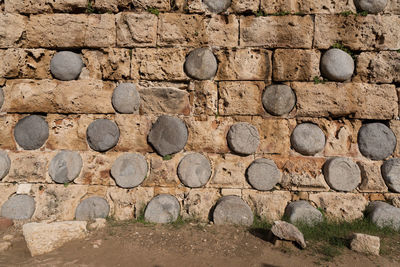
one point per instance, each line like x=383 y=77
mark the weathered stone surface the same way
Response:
x=276 y=31
x=194 y=170
x=232 y=210
x=243 y=138
x=263 y=174
x=42 y=238
x=221 y=31
x=164 y=100
x=303 y=212
x=308 y=139
x=372 y=7
x=99 y=223
x=342 y=174
x=125 y=98
x=307 y=6
x=163 y=208
x=205 y=98
x=163 y=172
x=44 y=6
x=66 y=65
x=12 y=28
x=136 y=29
x=5 y=223
x=92 y=208
x=5 y=164
x=29 y=167
x=102 y=135
x=217 y=6
x=391 y=174
x=201 y=64
x=18 y=207
x=371 y=174
x=337 y=65
x=363 y=243
x=133 y=132
x=129 y=170
x=65 y=166
x=278 y=99
x=384 y=215
x=31 y=132
x=1 y=97
x=376 y=141
x=378 y=67
x=168 y=135
x=287 y=231
x=241 y=6
x=199 y=202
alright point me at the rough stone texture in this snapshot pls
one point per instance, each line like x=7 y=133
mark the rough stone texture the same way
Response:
x=12 y=28
x=31 y=132
x=18 y=207
x=29 y=167
x=194 y=170
x=263 y=174
x=5 y=223
x=162 y=209
x=371 y=175
x=66 y=65
x=278 y=99
x=381 y=67
x=372 y=7
x=376 y=141
x=308 y=139
x=102 y=135
x=44 y=6
x=99 y=223
x=5 y=164
x=163 y=172
x=391 y=174
x=287 y=231
x=243 y=138
x=363 y=243
x=217 y=6
x=384 y=215
x=199 y=202
x=168 y=135
x=164 y=100
x=201 y=64
x=221 y=31
x=232 y=210
x=303 y=212
x=342 y=174
x=205 y=99
x=1 y=97
x=42 y=238
x=129 y=170
x=135 y=30
x=242 y=6
x=125 y=98
x=307 y=6
x=337 y=65
x=65 y=166
x=92 y=208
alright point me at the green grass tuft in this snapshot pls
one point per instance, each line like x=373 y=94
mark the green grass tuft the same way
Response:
x=90 y=9
x=153 y=11
x=66 y=184
x=281 y=13
x=347 y=13
x=317 y=80
x=260 y=13
x=363 y=13
x=343 y=48
x=168 y=157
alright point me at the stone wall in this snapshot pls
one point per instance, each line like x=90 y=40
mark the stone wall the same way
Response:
x=254 y=49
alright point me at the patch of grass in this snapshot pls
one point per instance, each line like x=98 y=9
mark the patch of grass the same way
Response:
x=363 y=13
x=343 y=48
x=317 y=80
x=398 y=51
x=168 y=157
x=260 y=223
x=66 y=184
x=281 y=13
x=299 y=14
x=347 y=13
x=90 y=9
x=260 y=13
x=153 y=11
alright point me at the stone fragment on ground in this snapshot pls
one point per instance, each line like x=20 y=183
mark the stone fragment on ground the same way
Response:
x=384 y=214
x=97 y=224
x=363 y=243
x=286 y=231
x=303 y=212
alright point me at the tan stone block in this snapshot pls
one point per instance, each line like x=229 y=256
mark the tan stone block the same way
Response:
x=241 y=6
x=13 y=60
x=205 y=98
x=7 y=190
x=44 y=6
x=395 y=127
x=376 y=197
x=199 y=202
x=276 y=31
x=307 y=6
x=382 y=67
x=393 y=198
x=100 y=31
x=163 y=172
x=372 y=180
x=303 y=195
x=96 y=190
x=136 y=29
x=178 y=192
x=393 y=7
x=12 y=30
x=106 y=5
x=7 y=124
x=231 y=192
x=222 y=31
x=161 y=5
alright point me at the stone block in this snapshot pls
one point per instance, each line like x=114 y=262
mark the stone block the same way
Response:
x=7 y=123
x=242 y=6
x=307 y=6
x=44 y=6
x=222 y=31
x=381 y=67
x=199 y=202
x=365 y=243
x=371 y=175
x=205 y=98
x=136 y=29
x=163 y=172
x=12 y=30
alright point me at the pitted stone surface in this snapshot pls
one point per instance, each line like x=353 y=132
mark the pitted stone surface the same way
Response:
x=232 y=210
x=126 y=99
x=168 y=135
x=342 y=174
x=31 y=132
x=163 y=208
x=129 y=170
x=307 y=139
x=102 y=135
x=201 y=64
x=391 y=174
x=5 y=164
x=243 y=138
x=92 y=208
x=278 y=99
x=66 y=65
x=18 y=207
x=384 y=214
x=194 y=170
x=263 y=174
x=304 y=212
x=65 y=166
x=371 y=6
x=217 y=6
x=337 y=65
x=1 y=97
x=376 y=141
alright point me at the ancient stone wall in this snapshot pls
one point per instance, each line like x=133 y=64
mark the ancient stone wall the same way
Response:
x=263 y=112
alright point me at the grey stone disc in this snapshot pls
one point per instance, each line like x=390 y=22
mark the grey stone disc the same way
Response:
x=303 y=212
x=217 y=6
x=92 y=208
x=163 y=208
x=391 y=174
x=263 y=174
x=371 y=6
x=18 y=207
x=126 y=99
x=102 y=135
x=129 y=170
x=243 y=138
x=376 y=141
x=307 y=139
x=201 y=64
x=232 y=210
x=65 y=166
x=66 y=65
x=342 y=174
x=31 y=132
x=168 y=135
x=5 y=164
x=194 y=170
x=337 y=65
x=1 y=97
x=278 y=99
x=384 y=214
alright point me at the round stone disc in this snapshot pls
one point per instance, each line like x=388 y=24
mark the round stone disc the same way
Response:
x=263 y=174
x=102 y=135
x=126 y=99
x=383 y=214
x=66 y=65
x=307 y=139
x=217 y=6
x=18 y=207
x=92 y=208
x=342 y=174
x=371 y=6
x=65 y=166
x=391 y=174
x=163 y=208
x=232 y=210
x=243 y=138
x=304 y=212
x=376 y=141
x=5 y=164
x=337 y=65
x=194 y=170
x=129 y=170
x=278 y=99
x=31 y=132
x=201 y=64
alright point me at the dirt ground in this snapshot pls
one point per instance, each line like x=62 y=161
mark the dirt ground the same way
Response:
x=136 y=244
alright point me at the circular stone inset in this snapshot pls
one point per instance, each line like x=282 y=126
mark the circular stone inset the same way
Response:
x=31 y=132
x=125 y=98
x=217 y=6
x=307 y=139
x=376 y=141
x=102 y=135
x=383 y=214
x=342 y=174
x=1 y=97
x=371 y=6
x=92 y=208
x=201 y=64
x=65 y=166
x=168 y=135
x=232 y=210
x=18 y=207
x=302 y=211
x=163 y=208
x=66 y=65
x=194 y=170
x=337 y=65
x=263 y=174
x=243 y=138
x=5 y=164
x=391 y=174
x=129 y=170
x=278 y=99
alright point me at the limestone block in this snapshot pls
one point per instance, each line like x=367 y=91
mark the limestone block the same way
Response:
x=12 y=28
x=307 y=6
x=363 y=243
x=381 y=67
x=136 y=29
x=164 y=100
x=371 y=174
x=163 y=173
x=205 y=98
x=286 y=231
x=241 y=6
x=44 y=6
x=199 y=202
x=162 y=5
x=222 y=31
x=395 y=127
x=7 y=123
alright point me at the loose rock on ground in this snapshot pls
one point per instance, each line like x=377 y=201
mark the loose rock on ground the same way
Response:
x=287 y=231
x=365 y=243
